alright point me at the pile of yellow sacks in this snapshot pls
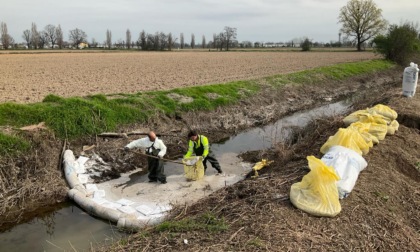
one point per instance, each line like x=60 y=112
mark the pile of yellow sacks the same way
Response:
x=317 y=193
x=365 y=128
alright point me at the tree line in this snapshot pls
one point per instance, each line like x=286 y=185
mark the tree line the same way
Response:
x=52 y=37
x=362 y=24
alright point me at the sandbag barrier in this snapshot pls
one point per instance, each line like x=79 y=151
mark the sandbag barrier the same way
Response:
x=80 y=194
x=334 y=175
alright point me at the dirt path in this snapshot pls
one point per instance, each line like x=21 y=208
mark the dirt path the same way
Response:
x=27 y=78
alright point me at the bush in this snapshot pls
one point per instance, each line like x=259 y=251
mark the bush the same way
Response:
x=306 y=45
x=400 y=44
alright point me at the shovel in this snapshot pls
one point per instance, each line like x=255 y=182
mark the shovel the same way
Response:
x=144 y=154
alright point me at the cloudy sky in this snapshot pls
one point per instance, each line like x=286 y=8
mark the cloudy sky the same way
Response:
x=255 y=20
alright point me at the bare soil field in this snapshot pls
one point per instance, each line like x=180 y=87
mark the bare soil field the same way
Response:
x=29 y=77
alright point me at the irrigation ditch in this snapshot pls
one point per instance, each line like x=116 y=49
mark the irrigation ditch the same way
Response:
x=43 y=186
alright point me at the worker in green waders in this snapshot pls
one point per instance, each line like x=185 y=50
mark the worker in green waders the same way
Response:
x=199 y=145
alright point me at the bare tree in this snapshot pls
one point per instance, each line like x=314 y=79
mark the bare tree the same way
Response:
x=143 y=40
x=203 y=42
x=5 y=38
x=163 y=41
x=108 y=41
x=150 y=41
x=192 y=40
x=34 y=36
x=51 y=35
x=361 y=19
x=220 y=41
x=214 y=40
x=156 y=40
x=128 y=39
x=77 y=36
x=43 y=40
x=229 y=35
x=27 y=37
x=181 y=40
x=170 y=42
x=60 y=38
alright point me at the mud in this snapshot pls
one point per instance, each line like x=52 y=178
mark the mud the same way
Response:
x=392 y=206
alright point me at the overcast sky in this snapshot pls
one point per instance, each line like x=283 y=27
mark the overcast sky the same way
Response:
x=255 y=20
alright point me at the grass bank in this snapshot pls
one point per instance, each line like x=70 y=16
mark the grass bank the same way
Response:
x=76 y=117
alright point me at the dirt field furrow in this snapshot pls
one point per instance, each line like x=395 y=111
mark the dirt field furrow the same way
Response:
x=27 y=78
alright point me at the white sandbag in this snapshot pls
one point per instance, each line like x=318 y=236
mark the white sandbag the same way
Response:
x=348 y=164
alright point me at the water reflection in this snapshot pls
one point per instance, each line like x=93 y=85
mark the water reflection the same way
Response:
x=267 y=136
x=67 y=229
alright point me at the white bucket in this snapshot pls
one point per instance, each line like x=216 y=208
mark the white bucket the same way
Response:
x=410 y=77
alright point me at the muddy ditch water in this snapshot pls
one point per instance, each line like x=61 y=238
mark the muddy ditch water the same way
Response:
x=71 y=228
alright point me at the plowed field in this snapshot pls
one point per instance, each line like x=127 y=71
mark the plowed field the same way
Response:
x=27 y=78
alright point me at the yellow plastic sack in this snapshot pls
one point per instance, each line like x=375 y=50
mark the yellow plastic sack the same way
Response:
x=354 y=117
x=378 y=125
x=385 y=111
x=363 y=128
x=258 y=166
x=317 y=193
x=392 y=127
x=373 y=118
x=378 y=130
x=193 y=168
x=369 y=115
x=349 y=138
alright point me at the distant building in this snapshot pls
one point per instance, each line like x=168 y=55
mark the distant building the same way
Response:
x=83 y=45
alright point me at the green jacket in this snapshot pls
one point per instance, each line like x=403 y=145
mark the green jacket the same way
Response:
x=201 y=141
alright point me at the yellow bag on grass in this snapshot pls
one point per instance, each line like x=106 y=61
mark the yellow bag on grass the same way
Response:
x=378 y=130
x=374 y=118
x=193 y=168
x=392 y=127
x=378 y=114
x=317 y=193
x=349 y=138
x=378 y=125
x=385 y=111
x=354 y=117
x=363 y=128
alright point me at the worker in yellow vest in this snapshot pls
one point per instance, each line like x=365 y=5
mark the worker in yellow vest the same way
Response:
x=199 y=145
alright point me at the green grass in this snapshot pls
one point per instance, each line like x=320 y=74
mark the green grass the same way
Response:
x=207 y=222
x=335 y=72
x=76 y=117
x=11 y=145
